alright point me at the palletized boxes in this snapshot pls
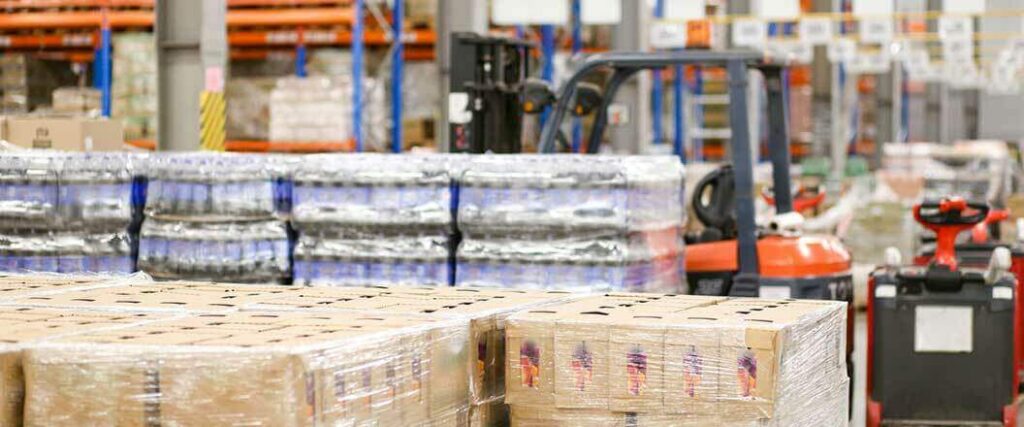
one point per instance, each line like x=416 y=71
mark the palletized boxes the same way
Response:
x=677 y=360
x=255 y=368
x=486 y=310
x=23 y=326
x=188 y=297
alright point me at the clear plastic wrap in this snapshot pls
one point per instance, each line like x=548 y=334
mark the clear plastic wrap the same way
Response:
x=22 y=327
x=255 y=368
x=671 y=360
x=227 y=251
x=212 y=187
x=67 y=252
x=589 y=223
x=486 y=309
x=571 y=192
x=14 y=285
x=147 y=296
x=373 y=258
x=375 y=190
x=640 y=262
x=48 y=190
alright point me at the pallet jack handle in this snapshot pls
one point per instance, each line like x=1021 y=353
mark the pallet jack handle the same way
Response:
x=948 y=218
x=980 y=232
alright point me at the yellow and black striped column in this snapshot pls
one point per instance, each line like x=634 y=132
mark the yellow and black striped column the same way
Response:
x=212 y=116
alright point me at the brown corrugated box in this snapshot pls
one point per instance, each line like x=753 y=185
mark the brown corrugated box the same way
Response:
x=22 y=326
x=19 y=286
x=266 y=368
x=691 y=357
x=65 y=133
x=171 y=296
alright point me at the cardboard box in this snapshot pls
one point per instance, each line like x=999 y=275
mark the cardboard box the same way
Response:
x=194 y=297
x=17 y=286
x=24 y=326
x=702 y=360
x=65 y=133
x=259 y=368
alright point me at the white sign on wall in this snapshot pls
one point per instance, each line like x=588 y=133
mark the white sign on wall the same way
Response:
x=876 y=30
x=749 y=32
x=874 y=8
x=666 y=35
x=600 y=12
x=842 y=50
x=958 y=51
x=956 y=28
x=777 y=10
x=816 y=31
x=685 y=10
x=530 y=12
x=972 y=7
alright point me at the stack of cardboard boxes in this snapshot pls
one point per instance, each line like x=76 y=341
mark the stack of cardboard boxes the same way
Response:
x=253 y=368
x=94 y=351
x=677 y=360
x=486 y=309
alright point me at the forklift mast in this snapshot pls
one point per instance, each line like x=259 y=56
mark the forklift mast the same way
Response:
x=487 y=80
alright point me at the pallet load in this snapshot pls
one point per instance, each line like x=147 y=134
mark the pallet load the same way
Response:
x=254 y=368
x=374 y=220
x=24 y=326
x=486 y=309
x=214 y=216
x=134 y=89
x=572 y=222
x=677 y=360
x=67 y=213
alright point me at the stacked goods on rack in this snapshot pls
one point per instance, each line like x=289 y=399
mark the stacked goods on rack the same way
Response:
x=76 y=100
x=373 y=219
x=420 y=104
x=571 y=222
x=487 y=310
x=67 y=213
x=248 y=107
x=214 y=216
x=26 y=83
x=134 y=89
x=677 y=360
x=319 y=109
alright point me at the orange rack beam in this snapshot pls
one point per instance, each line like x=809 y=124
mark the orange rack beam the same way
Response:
x=49 y=40
x=256 y=3
x=270 y=17
x=87 y=19
x=44 y=4
x=140 y=18
x=339 y=37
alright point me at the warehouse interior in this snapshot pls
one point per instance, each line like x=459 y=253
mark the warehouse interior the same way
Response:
x=486 y=213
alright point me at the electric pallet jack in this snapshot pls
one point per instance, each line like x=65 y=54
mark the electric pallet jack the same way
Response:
x=943 y=339
x=975 y=248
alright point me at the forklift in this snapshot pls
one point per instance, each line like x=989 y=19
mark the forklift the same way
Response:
x=944 y=337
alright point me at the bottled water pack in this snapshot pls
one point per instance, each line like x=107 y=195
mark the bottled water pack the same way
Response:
x=372 y=258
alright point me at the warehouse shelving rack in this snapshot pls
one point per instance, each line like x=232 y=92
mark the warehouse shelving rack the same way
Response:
x=81 y=31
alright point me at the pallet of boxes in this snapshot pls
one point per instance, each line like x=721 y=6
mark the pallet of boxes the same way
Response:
x=653 y=360
x=196 y=353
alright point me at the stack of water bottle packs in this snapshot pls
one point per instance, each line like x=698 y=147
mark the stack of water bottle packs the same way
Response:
x=374 y=219
x=571 y=222
x=67 y=213
x=215 y=216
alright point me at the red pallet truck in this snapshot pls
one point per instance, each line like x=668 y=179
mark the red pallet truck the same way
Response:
x=974 y=249
x=943 y=339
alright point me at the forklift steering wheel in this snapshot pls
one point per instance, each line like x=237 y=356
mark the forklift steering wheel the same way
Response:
x=714 y=202
x=953 y=211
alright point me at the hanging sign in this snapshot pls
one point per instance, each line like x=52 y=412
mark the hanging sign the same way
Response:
x=685 y=10
x=816 y=31
x=530 y=12
x=667 y=35
x=777 y=10
x=956 y=28
x=749 y=32
x=964 y=7
x=842 y=50
x=600 y=12
x=876 y=30
x=875 y=8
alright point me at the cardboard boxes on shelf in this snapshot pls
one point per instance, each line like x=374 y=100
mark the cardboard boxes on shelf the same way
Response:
x=703 y=360
x=64 y=133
